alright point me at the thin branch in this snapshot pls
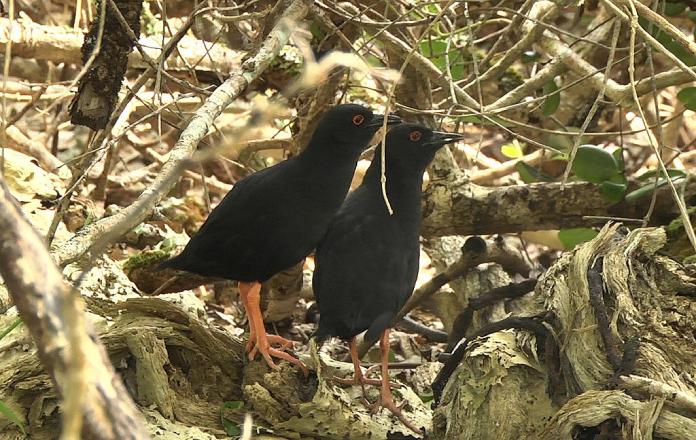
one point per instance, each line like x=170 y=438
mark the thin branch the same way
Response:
x=118 y=224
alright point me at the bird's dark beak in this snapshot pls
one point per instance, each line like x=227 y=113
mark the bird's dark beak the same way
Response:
x=440 y=138
x=378 y=120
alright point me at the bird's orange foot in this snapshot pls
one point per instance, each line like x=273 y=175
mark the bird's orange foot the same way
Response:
x=262 y=345
x=386 y=401
x=283 y=343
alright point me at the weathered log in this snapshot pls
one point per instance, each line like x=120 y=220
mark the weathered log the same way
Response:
x=597 y=312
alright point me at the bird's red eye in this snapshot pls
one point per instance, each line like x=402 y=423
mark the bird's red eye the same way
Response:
x=358 y=119
x=415 y=136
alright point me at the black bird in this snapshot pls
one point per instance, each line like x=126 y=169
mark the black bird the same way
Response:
x=272 y=219
x=366 y=266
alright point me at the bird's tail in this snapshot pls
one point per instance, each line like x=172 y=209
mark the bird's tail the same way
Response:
x=321 y=334
x=170 y=263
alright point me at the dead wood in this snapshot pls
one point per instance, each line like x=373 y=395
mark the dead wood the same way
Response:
x=105 y=50
x=644 y=295
x=198 y=126
x=62 y=45
x=67 y=346
x=463 y=208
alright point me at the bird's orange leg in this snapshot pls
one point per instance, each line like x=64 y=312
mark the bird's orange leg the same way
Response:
x=386 y=399
x=244 y=294
x=251 y=298
x=358 y=378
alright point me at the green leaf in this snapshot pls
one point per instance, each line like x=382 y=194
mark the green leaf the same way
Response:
x=316 y=31
x=648 y=189
x=687 y=96
x=12 y=416
x=692 y=15
x=575 y=236
x=13 y=325
x=612 y=192
x=529 y=56
x=426 y=397
x=675 y=48
x=674 y=9
x=529 y=174
x=565 y=142
x=594 y=164
x=513 y=150
x=554 y=99
x=231 y=428
x=435 y=51
x=671 y=172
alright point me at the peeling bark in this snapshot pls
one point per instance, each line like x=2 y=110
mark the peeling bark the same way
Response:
x=463 y=208
x=644 y=294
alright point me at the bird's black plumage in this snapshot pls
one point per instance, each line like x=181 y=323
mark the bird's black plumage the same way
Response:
x=367 y=264
x=272 y=219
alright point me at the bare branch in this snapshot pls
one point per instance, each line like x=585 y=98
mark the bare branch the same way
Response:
x=197 y=128
x=45 y=303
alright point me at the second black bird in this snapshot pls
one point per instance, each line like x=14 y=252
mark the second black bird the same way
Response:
x=367 y=265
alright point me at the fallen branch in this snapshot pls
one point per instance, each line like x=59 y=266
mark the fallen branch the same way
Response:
x=61 y=44
x=68 y=347
x=197 y=128
x=463 y=208
x=647 y=387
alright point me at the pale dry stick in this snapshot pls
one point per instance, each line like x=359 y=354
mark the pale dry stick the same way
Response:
x=372 y=23
x=649 y=387
x=481 y=160
x=595 y=104
x=78 y=14
x=448 y=70
x=390 y=97
x=63 y=45
x=23 y=111
x=487 y=176
x=665 y=25
x=515 y=22
x=54 y=315
x=102 y=137
x=659 y=135
x=676 y=115
x=688 y=227
x=5 y=75
x=618 y=93
x=477 y=79
x=649 y=38
x=531 y=34
x=661 y=80
x=17 y=140
x=197 y=128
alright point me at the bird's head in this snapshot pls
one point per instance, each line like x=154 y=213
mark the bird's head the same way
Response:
x=352 y=125
x=414 y=145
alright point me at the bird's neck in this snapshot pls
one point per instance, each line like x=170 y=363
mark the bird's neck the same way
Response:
x=329 y=155
x=403 y=186
x=328 y=166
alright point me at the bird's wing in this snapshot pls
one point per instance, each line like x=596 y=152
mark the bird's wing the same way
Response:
x=364 y=268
